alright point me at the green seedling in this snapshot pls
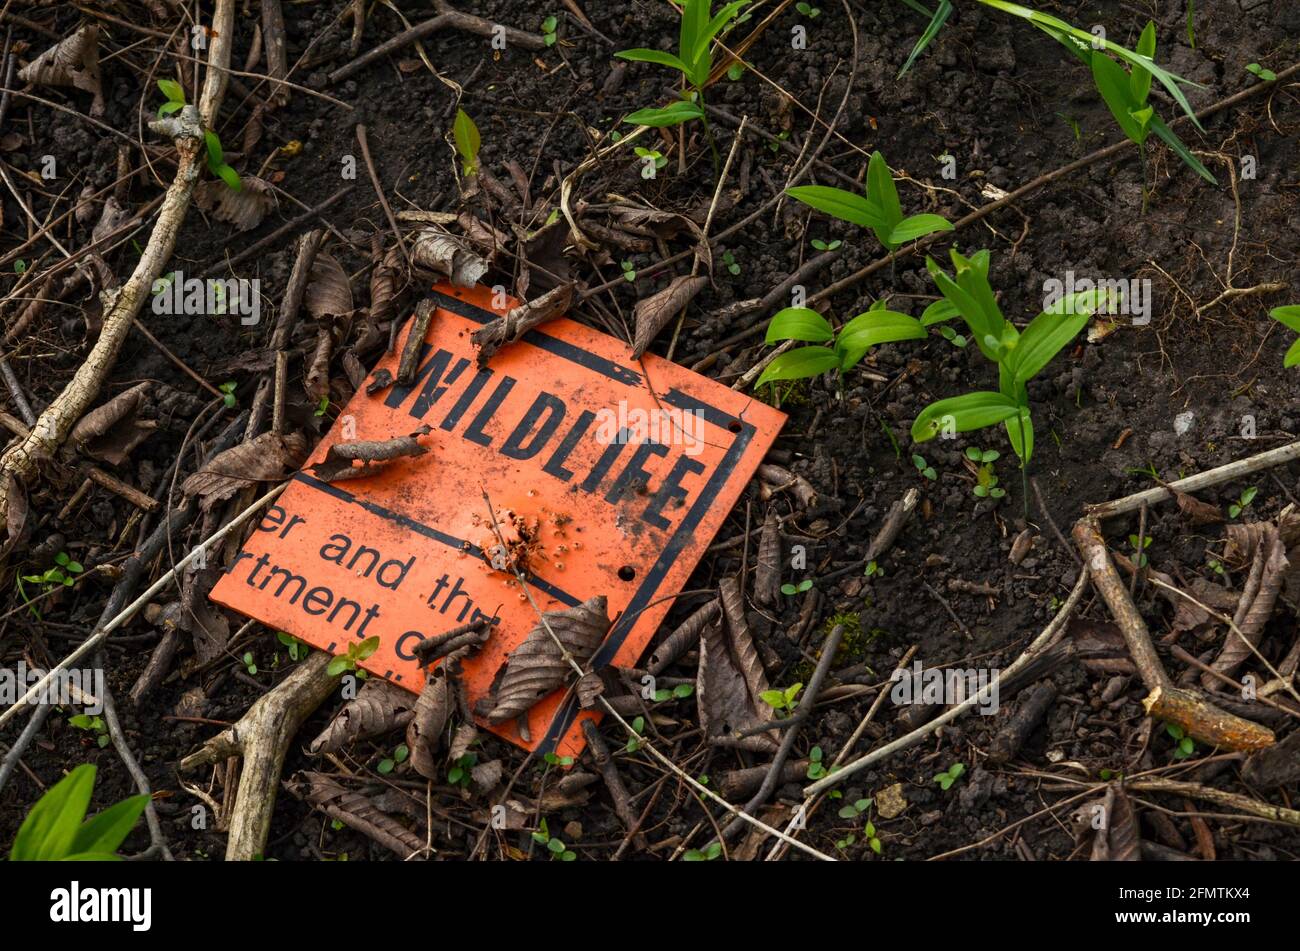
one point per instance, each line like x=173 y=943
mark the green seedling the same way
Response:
x=217 y=162
x=459 y=774
x=1185 y=745
x=93 y=725
x=874 y=570
x=250 y=664
x=923 y=467
x=790 y=590
x=552 y=759
x=1289 y=317
x=556 y=848
x=694 y=60
x=629 y=273
x=816 y=767
x=710 y=852
x=808 y=10
x=651 y=161
x=821 y=245
x=879 y=209
x=548 y=30
x=1267 y=75
x=322 y=407
x=853 y=811
x=1217 y=567
x=1243 y=501
x=56 y=829
x=1139 y=555
x=227 y=391
x=389 y=763
x=357 y=652
x=680 y=692
x=64 y=572
x=729 y=260
x=1019 y=355
x=832 y=350
x=634 y=741
x=1126 y=94
x=782 y=701
x=20 y=266
x=986 y=483
x=1191 y=23
x=950 y=776
x=464 y=134
x=780 y=137
x=735 y=71
x=297 y=649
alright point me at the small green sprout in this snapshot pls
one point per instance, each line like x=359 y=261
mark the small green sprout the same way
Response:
x=64 y=572
x=782 y=701
x=832 y=350
x=548 y=30
x=556 y=848
x=56 y=827
x=322 y=407
x=1217 y=566
x=986 y=483
x=250 y=664
x=808 y=10
x=874 y=570
x=389 y=763
x=297 y=649
x=1243 y=501
x=459 y=774
x=950 y=776
x=20 y=266
x=629 y=272
x=357 y=652
x=1139 y=557
x=464 y=134
x=816 y=768
x=656 y=161
x=227 y=390
x=924 y=467
x=729 y=260
x=680 y=692
x=1186 y=746
x=735 y=71
x=553 y=759
x=217 y=162
x=634 y=741
x=708 y=854
x=92 y=725
x=1267 y=75
x=793 y=589
x=821 y=245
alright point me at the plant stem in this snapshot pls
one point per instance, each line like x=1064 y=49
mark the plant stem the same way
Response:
x=1142 y=154
x=708 y=132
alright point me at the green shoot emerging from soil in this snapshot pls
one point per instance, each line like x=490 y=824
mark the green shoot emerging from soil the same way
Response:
x=55 y=831
x=357 y=652
x=879 y=209
x=1019 y=356
x=950 y=776
x=847 y=346
x=782 y=701
x=694 y=60
x=1289 y=317
x=216 y=157
x=1243 y=501
x=465 y=134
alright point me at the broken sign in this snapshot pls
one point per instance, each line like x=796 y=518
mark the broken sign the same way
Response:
x=562 y=458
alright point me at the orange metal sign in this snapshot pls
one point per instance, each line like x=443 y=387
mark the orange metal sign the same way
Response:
x=610 y=475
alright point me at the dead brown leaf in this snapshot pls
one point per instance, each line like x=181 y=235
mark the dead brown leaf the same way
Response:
x=244 y=209
x=266 y=458
x=109 y=432
x=654 y=312
x=440 y=252
x=73 y=62
x=378 y=707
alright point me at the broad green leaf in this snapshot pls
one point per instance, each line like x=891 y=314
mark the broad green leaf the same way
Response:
x=1292 y=355
x=106 y=831
x=800 y=363
x=695 y=20
x=969 y=411
x=918 y=226
x=466 y=135
x=1042 y=340
x=970 y=311
x=216 y=158
x=700 y=52
x=932 y=29
x=938 y=312
x=653 y=56
x=1171 y=139
x=799 y=323
x=882 y=191
x=1288 y=316
x=167 y=108
x=172 y=90
x=1139 y=78
x=1112 y=83
x=674 y=114
x=845 y=205
x=876 y=327
x=50 y=828
x=230 y=177
x=1023 y=450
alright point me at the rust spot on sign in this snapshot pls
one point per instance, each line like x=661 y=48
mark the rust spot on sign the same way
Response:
x=607 y=476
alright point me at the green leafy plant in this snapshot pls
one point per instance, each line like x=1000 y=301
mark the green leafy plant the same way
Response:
x=923 y=467
x=793 y=589
x=729 y=260
x=1185 y=746
x=710 y=852
x=831 y=349
x=634 y=741
x=986 y=483
x=1243 y=501
x=629 y=272
x=322 y=407
x=459 y=774
x=357 y=652
x=873 y=570
x=879 y=209
x=93 y=725
x=297 y=649
x=1267 y=75
x=853 y=811
x=1019 y=355
x=63 y=572
x=694 y=60
x=657 y=161
x=389 y=763
x=20 y=266
x=735 y=71
x=1139 y=555
x=556 y=848
x=1217 y=566
x=227 y=391
x=782 y=701
x=950 y=776
x=680 y=692
x=1289 y=317
x=548 y=30
x=464 y=134
x=217 y=162
x=821 y=245
x=808 y=10
x=1126 y=94
x=249 y=663
x=816 y=768
x=56 y=828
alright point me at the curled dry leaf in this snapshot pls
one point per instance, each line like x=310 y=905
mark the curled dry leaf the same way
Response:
x=266 y=458
x=329 y=294
x=74 y=62
x=244 y=209
x=1198 y=512
x=731 y=680
x=654 y=312
x=317 y=381
x=536 y=667
x=438 y=251
x=767 y=573
x=358 y=812
x=424 y=732
x=207 y=625
x=109 y=432
x=112 y=217
x=16 y=516
x=519 y=320
x=383 y=283
x=378 y=708
x=686 y=636
x=484 y=777
x=338 y=463
x=1117 y=839
x=464 y=737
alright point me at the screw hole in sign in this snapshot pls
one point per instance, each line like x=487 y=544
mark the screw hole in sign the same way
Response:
x=627 y=573
x=734 y=425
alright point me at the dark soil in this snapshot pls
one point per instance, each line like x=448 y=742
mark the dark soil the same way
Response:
x=1008 y=104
